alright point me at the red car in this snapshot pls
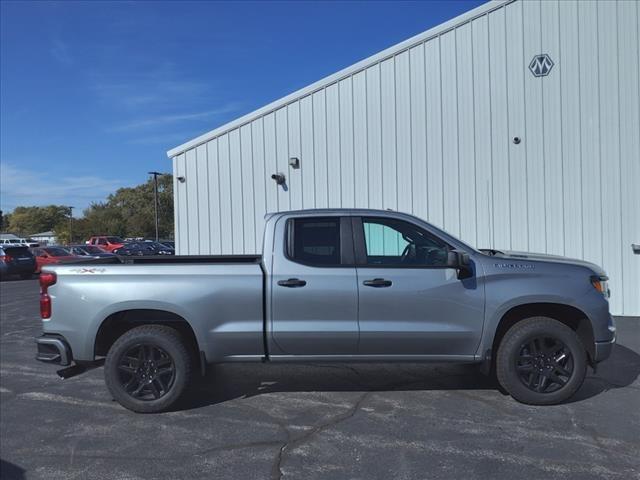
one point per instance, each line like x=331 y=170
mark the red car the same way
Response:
x=48 y=255
x=107 y=243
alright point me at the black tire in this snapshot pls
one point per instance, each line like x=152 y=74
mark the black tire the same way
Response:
x=541 y=361
x=148 y=368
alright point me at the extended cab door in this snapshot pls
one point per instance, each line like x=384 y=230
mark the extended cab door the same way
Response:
x=314 y=293
x=409 y=302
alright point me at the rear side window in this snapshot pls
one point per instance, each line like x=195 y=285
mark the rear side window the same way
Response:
x=18 y=251
x=315 y=241
x=57 y=252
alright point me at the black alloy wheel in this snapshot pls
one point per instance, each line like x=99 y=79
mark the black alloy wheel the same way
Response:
x=146 y=372
x=541 y=361
x=148 y=368
x=544 y=364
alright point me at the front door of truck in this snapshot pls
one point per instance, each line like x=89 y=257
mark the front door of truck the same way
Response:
x=409 y=302
x=314 y=293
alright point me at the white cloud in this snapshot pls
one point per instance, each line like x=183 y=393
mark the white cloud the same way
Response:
x=23 y=187
x=160 y=86
x=170 y=119
x=167 y=140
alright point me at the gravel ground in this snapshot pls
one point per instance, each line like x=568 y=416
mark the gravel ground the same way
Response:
x=363 y=421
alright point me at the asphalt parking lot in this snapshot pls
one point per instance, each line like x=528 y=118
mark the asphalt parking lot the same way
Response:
x=245 y=422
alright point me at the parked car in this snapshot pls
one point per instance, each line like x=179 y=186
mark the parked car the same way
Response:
x=13 y=241
x=161 y=248
x=89 y=251
x=16 y=260
x=169 y=244
x=332 y=285
x=143 y=248
x=108 y=243
x=51 y=255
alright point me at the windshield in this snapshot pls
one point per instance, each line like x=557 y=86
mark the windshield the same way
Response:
x=91 y=249
x=57 y=252
x=17 y=250
x=156 y=245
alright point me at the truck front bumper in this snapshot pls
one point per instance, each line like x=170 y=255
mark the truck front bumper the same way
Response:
x=53 y=349
x=603 y=349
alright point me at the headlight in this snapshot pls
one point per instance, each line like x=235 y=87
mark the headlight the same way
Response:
x=601 y=284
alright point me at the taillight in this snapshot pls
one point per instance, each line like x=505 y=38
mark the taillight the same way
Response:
x=46 y=280
x=6 y=258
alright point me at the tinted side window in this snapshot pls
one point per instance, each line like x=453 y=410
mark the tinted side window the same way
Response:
x=395 y=242
x=315 y=241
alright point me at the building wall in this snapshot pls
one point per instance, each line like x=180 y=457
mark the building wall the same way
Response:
x=428 y=127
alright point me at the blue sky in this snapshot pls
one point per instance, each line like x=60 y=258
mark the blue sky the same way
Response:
x=93 y=94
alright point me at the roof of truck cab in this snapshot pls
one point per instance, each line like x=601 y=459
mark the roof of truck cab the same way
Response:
x=350 y=211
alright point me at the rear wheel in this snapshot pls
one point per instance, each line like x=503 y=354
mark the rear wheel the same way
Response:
x=541 y=361
x=148 y=368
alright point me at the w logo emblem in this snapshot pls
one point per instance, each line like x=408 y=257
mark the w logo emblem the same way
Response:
x=541 y=65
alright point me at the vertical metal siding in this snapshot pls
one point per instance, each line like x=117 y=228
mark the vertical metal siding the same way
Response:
x=429 y=130
x=482 y=132
x=628 y=68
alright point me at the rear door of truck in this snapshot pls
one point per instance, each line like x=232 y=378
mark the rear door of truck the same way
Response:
x=314 y=291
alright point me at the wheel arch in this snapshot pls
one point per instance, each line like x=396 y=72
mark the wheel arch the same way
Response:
x=118 y=323
x=569 y=315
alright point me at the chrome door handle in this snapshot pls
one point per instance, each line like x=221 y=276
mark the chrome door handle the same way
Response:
x=378 y=283
x=292 y=283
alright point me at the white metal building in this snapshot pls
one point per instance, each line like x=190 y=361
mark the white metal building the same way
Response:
x=514 y=126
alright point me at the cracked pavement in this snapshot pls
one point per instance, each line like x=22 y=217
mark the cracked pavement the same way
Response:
x=311 y=421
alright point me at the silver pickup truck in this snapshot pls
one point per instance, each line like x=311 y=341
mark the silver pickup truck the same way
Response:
x=331 y=285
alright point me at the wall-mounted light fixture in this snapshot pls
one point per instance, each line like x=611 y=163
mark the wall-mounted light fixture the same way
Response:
x=181 y=179
x=294 y=162
x=279 y=178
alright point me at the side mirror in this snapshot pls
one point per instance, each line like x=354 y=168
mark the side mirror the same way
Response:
x=460 y=261
x=457 y=259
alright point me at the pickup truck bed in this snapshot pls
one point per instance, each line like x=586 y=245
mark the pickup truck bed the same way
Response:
x=169 y=259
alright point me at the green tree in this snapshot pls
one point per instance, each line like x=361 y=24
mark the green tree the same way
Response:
x=129 y=212
x=28 y=220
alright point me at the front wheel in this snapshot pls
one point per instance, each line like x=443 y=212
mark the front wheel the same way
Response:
x=148 y=368
x=541 y=361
